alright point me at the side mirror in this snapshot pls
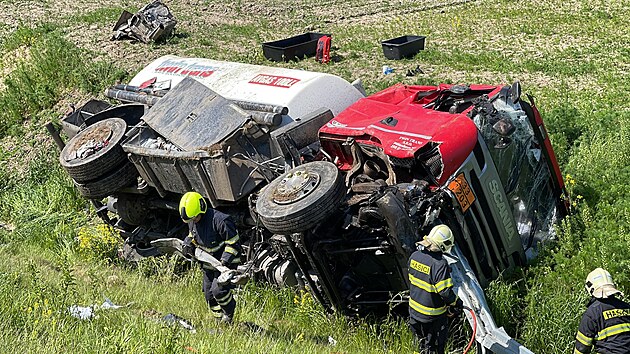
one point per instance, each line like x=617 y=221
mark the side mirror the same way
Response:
x=515 y=92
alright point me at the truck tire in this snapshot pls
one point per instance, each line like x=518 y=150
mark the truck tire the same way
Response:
x=301 y=198
x=101 y=162
x=118 y=178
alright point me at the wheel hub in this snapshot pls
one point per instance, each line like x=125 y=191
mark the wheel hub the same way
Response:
x=295 y=186
x=93 y=142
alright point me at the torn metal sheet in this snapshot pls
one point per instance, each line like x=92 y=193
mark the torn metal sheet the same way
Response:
x=172 y=319
x=153 y=22
x=194 y=117
x=493 y=339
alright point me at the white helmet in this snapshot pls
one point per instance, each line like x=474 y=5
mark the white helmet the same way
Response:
x=441 y=237
x=599 y=284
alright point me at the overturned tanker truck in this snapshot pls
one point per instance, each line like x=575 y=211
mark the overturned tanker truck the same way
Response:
x=330 y=189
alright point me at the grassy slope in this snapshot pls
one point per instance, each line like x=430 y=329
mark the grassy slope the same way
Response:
x=572 y=55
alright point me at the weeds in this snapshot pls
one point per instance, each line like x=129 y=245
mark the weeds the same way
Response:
x=99 y=16
x=54 y=65
x=99 y=243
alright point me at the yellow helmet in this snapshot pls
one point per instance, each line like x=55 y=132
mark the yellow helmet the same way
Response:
x=441 y=237
x=191 y=205
x=599 y=284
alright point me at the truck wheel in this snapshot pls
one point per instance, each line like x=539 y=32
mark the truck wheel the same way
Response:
x=102 y=140
x=301 y=198
x=124 y=176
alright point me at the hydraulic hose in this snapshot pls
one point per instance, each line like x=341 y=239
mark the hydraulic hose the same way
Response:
x=474 y=334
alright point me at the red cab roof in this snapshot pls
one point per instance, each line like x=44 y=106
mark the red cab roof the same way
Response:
x=401 y=119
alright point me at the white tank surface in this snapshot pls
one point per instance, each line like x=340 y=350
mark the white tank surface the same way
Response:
x=300 y=91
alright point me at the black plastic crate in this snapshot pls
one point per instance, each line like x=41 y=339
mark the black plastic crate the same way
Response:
x=403 y=46
x=292 y=48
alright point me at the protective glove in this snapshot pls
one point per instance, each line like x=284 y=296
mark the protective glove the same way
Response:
x=455 y=310
x=188 y=249
x=227 y=264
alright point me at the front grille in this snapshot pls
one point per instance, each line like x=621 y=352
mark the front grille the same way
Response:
x=432 y=159
x=404 y=163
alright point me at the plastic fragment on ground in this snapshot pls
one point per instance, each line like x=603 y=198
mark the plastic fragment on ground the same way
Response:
x=332 y=341
x=89 y=312
x=173 y=319
x=81 y=312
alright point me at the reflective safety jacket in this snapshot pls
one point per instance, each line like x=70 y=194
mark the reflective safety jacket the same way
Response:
x=606 y=326
x=431 y=286
x=216 y=232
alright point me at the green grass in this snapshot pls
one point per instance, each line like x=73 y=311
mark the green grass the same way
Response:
x=54 y=66
x=35 y=294
x=100 y=16
x=572 y=56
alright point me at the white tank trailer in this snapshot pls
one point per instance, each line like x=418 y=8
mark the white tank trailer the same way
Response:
x=298 y=90
x=202 y=106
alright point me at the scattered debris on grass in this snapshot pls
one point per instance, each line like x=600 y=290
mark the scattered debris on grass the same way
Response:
x=387 y=70
x=153 y=22
x=414 y=72
x=172 y=319
x=89 y=312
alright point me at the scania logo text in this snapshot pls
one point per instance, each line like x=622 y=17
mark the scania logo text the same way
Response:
x=504 y=212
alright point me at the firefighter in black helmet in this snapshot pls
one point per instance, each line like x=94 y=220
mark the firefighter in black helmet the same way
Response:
x=215 y=233
x=431 y=296
x=605 y=324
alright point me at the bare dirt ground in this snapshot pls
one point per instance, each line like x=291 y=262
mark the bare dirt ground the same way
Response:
x=234 y=30
x=200 y=17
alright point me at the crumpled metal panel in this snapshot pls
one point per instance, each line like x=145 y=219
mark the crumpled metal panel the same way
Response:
x=493 y=339
x=153 y=22
x=194 y=117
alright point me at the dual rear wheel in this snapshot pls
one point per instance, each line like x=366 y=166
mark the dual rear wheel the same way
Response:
x=96 y=161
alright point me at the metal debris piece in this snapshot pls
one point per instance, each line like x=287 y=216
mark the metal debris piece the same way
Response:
x=153 y=22
x=89 y=312
x=172 y=319
x=109 y=305
x=414 y=72
x=90 y=148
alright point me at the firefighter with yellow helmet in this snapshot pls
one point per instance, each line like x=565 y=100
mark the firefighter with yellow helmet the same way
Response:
x=431 y=295
x=605 y=324
x=215 y=233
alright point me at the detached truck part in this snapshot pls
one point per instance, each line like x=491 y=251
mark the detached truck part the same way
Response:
x=175 y=246
x=491 y=338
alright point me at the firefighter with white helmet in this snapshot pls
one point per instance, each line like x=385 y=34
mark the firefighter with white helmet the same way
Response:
x=605 y=324
x=215 y=233
x=431 y=295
